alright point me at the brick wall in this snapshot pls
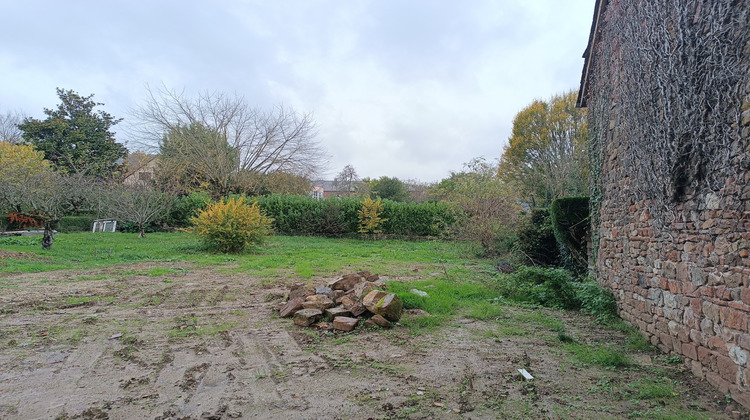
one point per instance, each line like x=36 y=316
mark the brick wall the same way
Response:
x=682 y=274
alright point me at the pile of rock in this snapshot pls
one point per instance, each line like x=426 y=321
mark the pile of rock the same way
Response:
x=346 y=300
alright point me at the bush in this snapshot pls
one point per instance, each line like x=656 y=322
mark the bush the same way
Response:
x=130 y=227
x=570 y=224
x=186 y=207
x=536 y=239
x=417 y=219
x=552 y=287
x=231 y=225
x=596 y=300
x=70 y=224
x=327 y=219
x=21 y=221
x=369 y=216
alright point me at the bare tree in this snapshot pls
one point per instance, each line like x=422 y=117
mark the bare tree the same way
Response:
x=418 y=190
x=140 y=203
x=9 y=131
x=47 y=196
x=346 y=181
x=276 y=140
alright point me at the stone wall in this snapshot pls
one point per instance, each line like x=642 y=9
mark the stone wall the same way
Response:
x=679 y=264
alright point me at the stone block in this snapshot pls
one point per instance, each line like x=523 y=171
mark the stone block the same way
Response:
x=704 y=355
x=690 y=351
x=380 y=321
x=390 y=307
x=742 y=397
x=346 y=282
x=372 y=299
x=347 y=300
x=291 y=307
x=344 y=323
x=696 y=304
x=696 y=337
x=323 y=290
x=362 y=289
x=738 y=355
x=336 y=294
x=743 y=340
x=683 y=335
x=320 y=302
x=735 y=319
x=697 y=276
x=357 y=309
x=718 y=382
x=697 y=368
x=337 y=311
x=301 y=290
x=716 y=343
x=727 y=368
x=307 y=317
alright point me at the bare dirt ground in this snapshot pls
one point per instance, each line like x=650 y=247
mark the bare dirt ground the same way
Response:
x=124 y=343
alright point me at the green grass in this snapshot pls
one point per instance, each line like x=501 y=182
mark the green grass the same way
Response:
x=653 y=388
x=302 y=256
x=599 y=355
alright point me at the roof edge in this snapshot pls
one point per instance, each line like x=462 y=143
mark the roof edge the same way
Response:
x=583 y=89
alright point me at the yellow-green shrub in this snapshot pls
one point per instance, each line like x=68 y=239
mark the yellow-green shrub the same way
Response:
x=369 y=216
x=231 y=225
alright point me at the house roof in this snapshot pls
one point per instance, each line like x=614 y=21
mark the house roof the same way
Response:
x=332 y=185
x=583 y=92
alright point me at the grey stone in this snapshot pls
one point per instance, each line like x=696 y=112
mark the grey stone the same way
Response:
x=323 y=290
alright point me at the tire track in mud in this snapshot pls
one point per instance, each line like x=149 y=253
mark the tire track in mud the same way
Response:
x=245 y=377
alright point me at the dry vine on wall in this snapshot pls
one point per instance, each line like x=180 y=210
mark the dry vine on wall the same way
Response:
x=668 y=80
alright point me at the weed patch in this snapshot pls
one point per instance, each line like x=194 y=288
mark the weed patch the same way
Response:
x=601 y=355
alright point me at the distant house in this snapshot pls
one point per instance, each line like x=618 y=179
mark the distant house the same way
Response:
x=317 y=193
x=140 y=168
x=326 y=189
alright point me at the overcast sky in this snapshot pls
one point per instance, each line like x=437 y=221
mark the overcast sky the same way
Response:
x=403 y=88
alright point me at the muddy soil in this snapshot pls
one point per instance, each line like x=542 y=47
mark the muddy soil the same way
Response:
x=196 y=343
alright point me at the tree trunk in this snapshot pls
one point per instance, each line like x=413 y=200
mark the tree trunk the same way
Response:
x=48 y=238
x=141 y=231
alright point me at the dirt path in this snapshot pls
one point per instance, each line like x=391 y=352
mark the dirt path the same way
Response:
x=134 y=343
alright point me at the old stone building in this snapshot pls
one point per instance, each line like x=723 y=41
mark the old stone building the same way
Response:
x=667 y=85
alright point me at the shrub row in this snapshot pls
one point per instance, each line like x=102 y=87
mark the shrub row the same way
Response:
x=70 y=224
x=333 y=217
x=294 y=215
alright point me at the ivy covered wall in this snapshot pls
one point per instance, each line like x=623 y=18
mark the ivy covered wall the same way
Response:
x=667 y=84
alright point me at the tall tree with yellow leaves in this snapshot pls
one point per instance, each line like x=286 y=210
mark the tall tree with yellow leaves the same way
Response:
x=546 y=156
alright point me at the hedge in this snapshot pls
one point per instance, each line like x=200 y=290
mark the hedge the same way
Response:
x=536 y=238
x=70 y=224
x=295 y=214
x=570 y=223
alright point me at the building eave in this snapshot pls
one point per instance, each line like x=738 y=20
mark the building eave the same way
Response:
x=583 y=91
